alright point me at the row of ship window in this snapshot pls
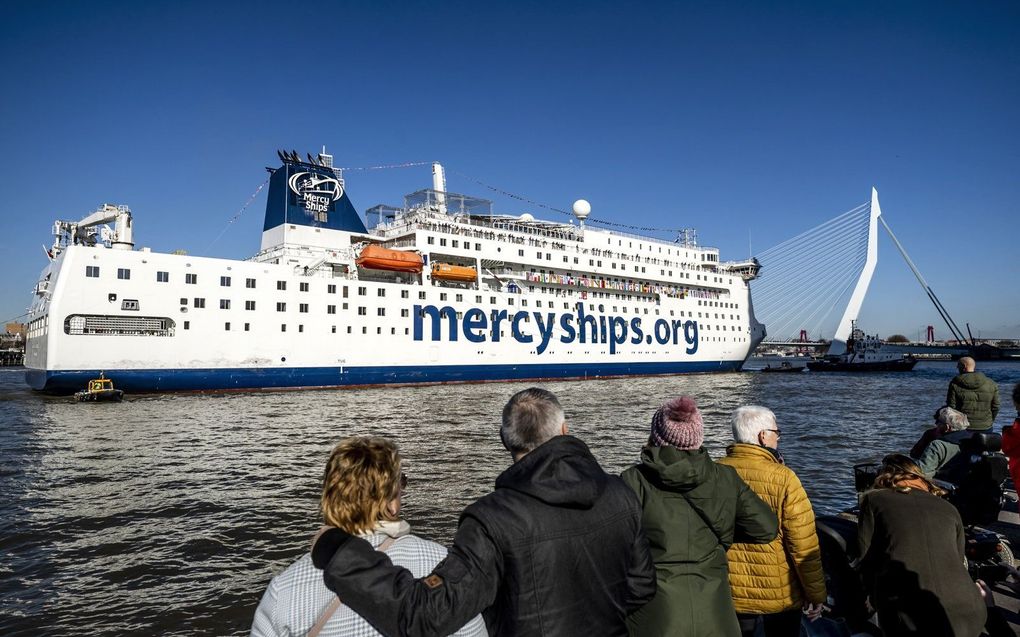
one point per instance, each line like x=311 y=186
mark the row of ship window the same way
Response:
x=199 y=303
x=364 y=330
x=225 y=281
x=301 y=328
x=92 y=271
x=455 y=243
x=623 y=266
x=163 y=276
x=37 y=327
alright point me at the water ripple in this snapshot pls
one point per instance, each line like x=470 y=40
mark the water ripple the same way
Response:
x=169 y=514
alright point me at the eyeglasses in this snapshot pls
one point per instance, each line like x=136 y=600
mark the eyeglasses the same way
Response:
x=775 y=431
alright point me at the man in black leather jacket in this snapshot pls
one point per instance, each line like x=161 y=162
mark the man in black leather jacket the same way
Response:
x=556 y=549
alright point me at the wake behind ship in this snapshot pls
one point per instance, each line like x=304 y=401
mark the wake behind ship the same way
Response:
x=439 y=290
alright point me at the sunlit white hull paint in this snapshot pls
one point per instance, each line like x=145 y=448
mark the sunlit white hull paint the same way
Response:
x=318 y=328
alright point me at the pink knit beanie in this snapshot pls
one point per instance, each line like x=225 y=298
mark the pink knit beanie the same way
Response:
x=678 y=423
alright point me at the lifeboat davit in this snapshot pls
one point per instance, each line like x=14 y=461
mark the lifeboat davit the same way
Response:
x=448 y=272
x=376 y=257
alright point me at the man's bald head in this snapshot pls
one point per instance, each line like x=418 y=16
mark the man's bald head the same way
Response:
x=966 y=364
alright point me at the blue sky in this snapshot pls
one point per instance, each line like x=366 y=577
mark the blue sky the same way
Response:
x=732 y=117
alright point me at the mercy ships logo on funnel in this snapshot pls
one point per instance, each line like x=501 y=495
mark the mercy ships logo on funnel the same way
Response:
x=317 y=192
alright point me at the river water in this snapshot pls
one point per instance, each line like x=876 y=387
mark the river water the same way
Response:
x=169 y=514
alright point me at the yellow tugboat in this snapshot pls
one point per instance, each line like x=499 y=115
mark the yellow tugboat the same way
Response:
x=99 y=390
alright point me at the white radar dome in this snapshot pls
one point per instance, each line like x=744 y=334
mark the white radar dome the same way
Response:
x=582 y=209
x=527 y=216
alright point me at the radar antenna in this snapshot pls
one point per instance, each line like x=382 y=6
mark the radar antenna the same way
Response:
x=581 y=210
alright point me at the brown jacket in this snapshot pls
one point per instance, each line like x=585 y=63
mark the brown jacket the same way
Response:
x=781 y=575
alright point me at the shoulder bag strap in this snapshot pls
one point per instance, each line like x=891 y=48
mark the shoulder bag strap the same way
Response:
x=653 y=479
x=704 y=519
x=335 y=605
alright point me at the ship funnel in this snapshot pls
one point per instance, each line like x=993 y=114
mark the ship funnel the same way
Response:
x=439 y=185
x=306 y=194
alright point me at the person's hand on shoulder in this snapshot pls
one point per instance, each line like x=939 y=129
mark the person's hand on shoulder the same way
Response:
x=326 y=543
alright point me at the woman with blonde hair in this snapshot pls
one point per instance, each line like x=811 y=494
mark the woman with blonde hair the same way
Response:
x=361 y=494
x=912 y=561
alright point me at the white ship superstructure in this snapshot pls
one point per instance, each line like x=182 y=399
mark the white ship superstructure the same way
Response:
x=438 y=290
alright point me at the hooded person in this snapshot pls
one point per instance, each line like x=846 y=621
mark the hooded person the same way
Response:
x=692 y=511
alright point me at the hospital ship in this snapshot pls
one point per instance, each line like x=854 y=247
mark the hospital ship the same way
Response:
x=441 y=289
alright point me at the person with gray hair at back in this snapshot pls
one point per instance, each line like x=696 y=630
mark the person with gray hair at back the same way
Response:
x=556 y=549
x=974 y=394
x=937 y=459
x=773 y=583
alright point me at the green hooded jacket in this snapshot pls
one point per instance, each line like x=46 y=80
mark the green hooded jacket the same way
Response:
x=693 y=510
x=976 y=395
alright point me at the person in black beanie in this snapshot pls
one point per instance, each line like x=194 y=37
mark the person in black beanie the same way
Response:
x=556 y=549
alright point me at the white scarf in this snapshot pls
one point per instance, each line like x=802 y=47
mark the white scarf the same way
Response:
x=394 y=529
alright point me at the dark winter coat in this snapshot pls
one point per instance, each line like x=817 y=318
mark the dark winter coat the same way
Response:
x=942 y=458
x=694 y=509
x=557 y=549
x=976 y=395
x=912 y=565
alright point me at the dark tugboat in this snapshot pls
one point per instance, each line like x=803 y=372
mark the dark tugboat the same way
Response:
x=99 y=390
x=863 y=354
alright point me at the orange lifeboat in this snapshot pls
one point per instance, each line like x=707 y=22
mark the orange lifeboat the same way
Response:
x=376 y=257
x=447 y=272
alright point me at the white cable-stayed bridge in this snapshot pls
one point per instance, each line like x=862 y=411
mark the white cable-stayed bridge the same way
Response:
x=811 y=286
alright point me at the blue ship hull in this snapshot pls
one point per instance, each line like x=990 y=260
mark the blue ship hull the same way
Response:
x=174 y=380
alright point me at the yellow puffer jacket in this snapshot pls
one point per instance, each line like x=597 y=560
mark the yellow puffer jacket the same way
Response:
x=781 y=575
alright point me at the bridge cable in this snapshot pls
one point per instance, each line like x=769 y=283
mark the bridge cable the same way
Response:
x=804 y=278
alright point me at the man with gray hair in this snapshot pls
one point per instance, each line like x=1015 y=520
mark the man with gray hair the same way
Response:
x=937 y=458
x=773 y=583
x=556 y=549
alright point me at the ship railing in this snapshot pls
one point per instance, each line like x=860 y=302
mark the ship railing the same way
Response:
x=338 y=255
x=689 y=245
x=428 y=218
x=742 y=263
x=403 y=243
x=496 y=231
x=590 y=283
x=435 y=222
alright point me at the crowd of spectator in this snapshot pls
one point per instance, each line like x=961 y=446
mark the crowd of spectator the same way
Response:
x=679 y=544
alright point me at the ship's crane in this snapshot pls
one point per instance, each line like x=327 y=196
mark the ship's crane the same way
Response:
x=92 y=229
